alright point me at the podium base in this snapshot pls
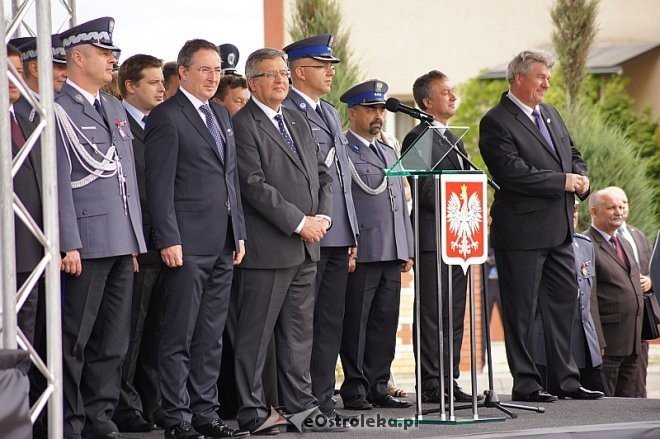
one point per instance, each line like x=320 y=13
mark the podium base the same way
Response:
x=437 y=420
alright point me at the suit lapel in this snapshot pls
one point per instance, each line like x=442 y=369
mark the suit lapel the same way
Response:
x=452 y=156
x=297 y=137
x=136 y=129
x=366 y=154
x=607 y=247
x=35 y=155
x=302 y=105
x=86 y=107
x=553 y=127
x=191 y=113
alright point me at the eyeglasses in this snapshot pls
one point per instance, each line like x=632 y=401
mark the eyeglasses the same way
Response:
x=206 y=71
x=327 y=68
x=273 y=74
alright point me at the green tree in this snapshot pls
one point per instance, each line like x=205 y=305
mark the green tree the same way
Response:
x=575 y=28
x=314 y=17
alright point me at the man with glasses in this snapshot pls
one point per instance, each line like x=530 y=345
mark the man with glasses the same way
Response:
x=312 y=70
x=286 y=192
x=197 y=223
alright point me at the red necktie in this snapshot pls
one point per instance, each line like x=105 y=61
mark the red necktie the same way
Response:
x=619 y=251
x=16 y=133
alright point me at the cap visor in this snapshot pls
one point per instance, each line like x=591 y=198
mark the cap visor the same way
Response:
x=330 y=58
x=106 y=46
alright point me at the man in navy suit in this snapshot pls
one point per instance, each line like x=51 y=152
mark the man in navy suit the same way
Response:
x=197 y=218
x=530 y=154
x=312 y=69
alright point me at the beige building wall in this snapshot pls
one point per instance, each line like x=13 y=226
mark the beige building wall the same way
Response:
x=398 y=40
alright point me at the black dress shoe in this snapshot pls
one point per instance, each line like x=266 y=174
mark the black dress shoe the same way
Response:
x=334 y=414
x=217 y=428
x=111 y=435
x=318 y=422
x=537 y=396
x=461 y=396
x=182 y=430
x=254 y=427
x=582 y=393
x=390 y=402
x=431 y=394
x=134 y=423
x=357 y=403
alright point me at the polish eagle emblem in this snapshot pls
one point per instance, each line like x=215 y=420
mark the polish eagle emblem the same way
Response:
x=464 y=218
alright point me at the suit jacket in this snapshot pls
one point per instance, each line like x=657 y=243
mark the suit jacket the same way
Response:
x=92 y=218
x=619 y=298
x=329 y=136
x=586 y=318
x=27 y=186
x=385 y=235
x=151 y=256
x=531 y=210
x=23 y=108
x=278 y=189
x=192 y=196
x=426 y=189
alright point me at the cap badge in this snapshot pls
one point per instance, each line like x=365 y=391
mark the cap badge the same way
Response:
x=379 y=87
x=231 y=58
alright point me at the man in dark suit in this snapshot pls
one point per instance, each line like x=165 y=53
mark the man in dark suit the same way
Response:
x=312 y=69
x=27 y=186
x=287 y=197
x=385 y=250
x=619 y=292
x=197 y=219
x=585 y=344
x=529 y=153
x=100 y=228
x=642 y=252
x=141 y=88
x=435 y=94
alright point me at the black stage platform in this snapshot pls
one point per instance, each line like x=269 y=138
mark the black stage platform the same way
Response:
x=606 y=418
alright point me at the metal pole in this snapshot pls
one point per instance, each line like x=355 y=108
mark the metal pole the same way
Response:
x=441 y=329
x=450 y=329
x=473 y=348
x=51 y=219
x=8 y=284
x=418 y=350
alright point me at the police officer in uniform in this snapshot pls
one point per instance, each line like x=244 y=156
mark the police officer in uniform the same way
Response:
x=585 y=343
x=229 y=56
x=312 y=69
x=100 y=230
x=385 y=249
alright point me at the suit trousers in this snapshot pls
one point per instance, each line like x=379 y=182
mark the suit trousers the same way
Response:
x=622 y=375
x=279 y=300
x=95 y=329
x=429 y=329
x=543 y=278
x=27 y=315
x=145 y=284
x=331 y=278
x=196 y=303
x=371 y=318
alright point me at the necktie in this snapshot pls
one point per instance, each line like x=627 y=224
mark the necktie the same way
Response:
x=144 y=118
x=619 y=251
x=319 y=111
x=375 y=150
x=16 y=133
x=543 y=129
x=214 y=129
x=285 y=134
x=99 y=109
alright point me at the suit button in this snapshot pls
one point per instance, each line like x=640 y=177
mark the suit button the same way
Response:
x=227 y=204
x=84 y=212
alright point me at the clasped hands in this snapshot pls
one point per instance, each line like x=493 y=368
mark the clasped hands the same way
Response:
x=314 y=229
x=577 y=183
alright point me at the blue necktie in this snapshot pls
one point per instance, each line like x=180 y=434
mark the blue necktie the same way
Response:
x=285 y=134
x=214 y=129
x=543 y=129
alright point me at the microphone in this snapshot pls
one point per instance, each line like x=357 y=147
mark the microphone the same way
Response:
x=394 y=105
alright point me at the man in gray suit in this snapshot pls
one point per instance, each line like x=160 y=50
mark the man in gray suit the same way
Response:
x=312 y=69
x=619 y=294
x=585 y=345
x=194 y=204
x=385 y=249
x=287 y=197
x=100 y=228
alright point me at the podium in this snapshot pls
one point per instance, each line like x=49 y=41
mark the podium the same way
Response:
x=461 y=225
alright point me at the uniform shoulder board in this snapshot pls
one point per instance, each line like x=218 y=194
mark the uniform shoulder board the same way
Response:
x=328 y=102
x=581 y=236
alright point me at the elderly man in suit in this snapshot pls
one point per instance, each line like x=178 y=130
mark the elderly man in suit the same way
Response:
x=585 y=343
x=141 y=88
x=385 y=250
x=435 y=94
x=287 y=197
x=312 y=69
x=100 y=228
x=530 y=154
x=197 y=221
x=619 y=293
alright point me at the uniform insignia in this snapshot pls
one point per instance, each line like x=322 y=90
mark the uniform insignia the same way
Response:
x=78 y=98
x=303 y=106
x=547 y=120
x=230 y=59
x=355 y=148
x=111 y=26
x=230 y=132
x=378 y=87
x=583 y=268
x=120 y=127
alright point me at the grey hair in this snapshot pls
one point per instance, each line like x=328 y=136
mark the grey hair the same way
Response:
x=522 y=63
x=256 y=57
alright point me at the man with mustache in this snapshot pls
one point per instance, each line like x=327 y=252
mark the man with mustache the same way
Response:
x=385 y=250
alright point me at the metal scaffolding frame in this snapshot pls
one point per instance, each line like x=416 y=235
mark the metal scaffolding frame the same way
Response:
x=13 y=296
